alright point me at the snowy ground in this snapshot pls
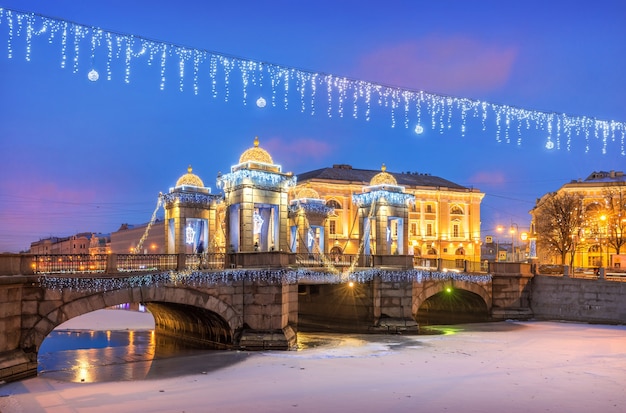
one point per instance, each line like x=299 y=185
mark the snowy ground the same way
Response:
x=503 y=367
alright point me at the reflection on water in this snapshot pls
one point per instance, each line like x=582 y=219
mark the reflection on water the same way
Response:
x=90 y=356
x=100 y=356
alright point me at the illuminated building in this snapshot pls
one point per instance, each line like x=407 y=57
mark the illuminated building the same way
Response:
x=442 y=220
x=326 y=212
x=603 y=224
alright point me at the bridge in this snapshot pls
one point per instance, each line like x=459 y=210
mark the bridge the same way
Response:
x=247 y=301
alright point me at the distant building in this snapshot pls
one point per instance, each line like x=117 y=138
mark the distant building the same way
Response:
x=75 y=244
x=100 y=244
x=126 y=239
x=604 y=220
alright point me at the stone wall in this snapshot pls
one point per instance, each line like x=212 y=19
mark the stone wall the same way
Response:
x=576 y=299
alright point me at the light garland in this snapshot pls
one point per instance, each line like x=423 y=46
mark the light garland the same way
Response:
x=208 y=279
x=186 y=198
x=260 y=179
x=415 y=106
x=310 y=206
x=393 y=198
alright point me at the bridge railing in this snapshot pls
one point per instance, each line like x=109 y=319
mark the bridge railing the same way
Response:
x=69 y=263
x=319 y=260
x=112 y=263
x=146 y=262
x=208 y=261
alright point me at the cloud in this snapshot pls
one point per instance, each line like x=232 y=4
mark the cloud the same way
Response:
x=444 y=65
x=295 y=152
x=494 y=178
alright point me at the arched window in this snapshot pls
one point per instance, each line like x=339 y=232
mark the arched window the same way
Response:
x=334 y=222
x=333 y=204
x=459 y=251
x=456 y=210
x=595 y=249
x=336 y=251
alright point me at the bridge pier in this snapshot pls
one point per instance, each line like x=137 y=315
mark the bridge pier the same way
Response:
x=511 y=287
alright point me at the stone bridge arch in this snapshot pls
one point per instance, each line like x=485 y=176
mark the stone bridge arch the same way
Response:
x=431 y=288
x=177 y=310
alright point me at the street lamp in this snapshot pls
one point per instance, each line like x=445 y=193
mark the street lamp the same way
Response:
x=514 y=230
x=606 y=236
x=499 y=229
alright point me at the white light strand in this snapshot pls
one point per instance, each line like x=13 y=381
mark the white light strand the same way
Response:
x=442 y=110
x=227 y=277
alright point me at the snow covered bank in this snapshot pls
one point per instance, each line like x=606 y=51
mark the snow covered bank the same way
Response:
x=509 y=366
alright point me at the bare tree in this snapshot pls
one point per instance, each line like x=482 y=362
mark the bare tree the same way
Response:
x=615 y=199
x=558 y=218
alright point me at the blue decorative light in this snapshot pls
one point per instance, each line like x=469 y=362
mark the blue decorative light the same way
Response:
x=278 y=276
x=417 y=107
x=190 y=198
x=310 y=206
x=373 y=197
x=259 y=179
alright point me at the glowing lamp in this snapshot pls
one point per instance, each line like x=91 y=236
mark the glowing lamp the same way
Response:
x=93 y=75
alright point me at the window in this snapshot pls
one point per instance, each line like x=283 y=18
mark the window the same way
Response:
x=429 y=230
x=332 y=227
x=456 y=210
x=333 y=204
x=455 y=230
x=413 y=228
x=429 y=209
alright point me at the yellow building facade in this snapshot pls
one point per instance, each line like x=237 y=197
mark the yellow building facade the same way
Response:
x=442 y=218
x=603 y=221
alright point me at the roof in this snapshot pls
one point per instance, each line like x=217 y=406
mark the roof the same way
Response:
x=364 y=176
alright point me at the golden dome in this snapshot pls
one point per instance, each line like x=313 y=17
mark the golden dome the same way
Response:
x=190 y=179
x=383 y=178
x=256 y=154
x=309 y=193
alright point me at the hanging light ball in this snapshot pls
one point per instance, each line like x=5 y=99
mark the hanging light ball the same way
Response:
x=549 y=145
x=419 y=129
x=260 y=102
x=93 y=75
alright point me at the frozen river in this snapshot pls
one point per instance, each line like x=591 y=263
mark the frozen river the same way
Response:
x=506 y=366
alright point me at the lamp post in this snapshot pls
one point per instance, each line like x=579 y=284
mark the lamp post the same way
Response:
x=498 y=229
x=514 y=229
x=604 y=219
x=524 y=237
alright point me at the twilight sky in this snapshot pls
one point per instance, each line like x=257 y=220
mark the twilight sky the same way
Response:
x=79 y=155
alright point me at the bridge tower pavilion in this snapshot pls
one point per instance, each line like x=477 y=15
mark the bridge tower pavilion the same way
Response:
x=383 y=216
x=190 y=216
x=307 y=214
x=256 y=195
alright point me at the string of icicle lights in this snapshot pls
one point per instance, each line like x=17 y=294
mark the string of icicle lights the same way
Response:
x=313 y=91
x=213 y=278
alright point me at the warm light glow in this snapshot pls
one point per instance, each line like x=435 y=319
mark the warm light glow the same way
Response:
x=351 y=284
